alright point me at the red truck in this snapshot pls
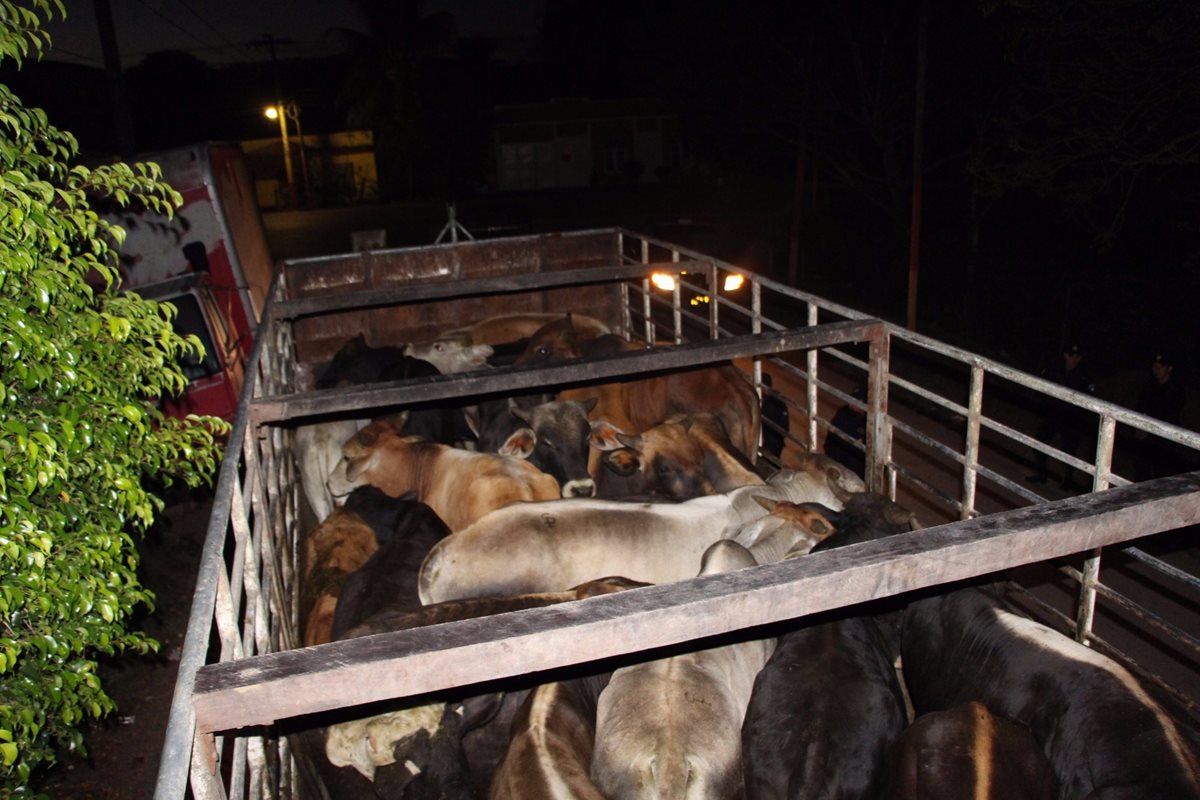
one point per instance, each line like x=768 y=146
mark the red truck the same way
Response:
x=210 y=260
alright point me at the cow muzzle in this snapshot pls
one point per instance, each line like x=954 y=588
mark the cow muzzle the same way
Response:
x=579 y=488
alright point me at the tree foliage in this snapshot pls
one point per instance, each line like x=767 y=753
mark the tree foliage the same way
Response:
x=1102 y=98
x=82 y=367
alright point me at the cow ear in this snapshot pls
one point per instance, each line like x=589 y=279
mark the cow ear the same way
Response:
x=520 y=444
x=355 y=468
x=396 y=420
x=624 y=462
x=604 y=435
x=589 y=404
x=630 y=440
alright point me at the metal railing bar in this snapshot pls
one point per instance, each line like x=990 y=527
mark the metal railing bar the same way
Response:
x=524 y=377
x=431 y=290
x=1141 y=612
x=952 y=504
x=1162 y=566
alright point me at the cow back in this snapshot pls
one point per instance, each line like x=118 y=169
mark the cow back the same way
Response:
x=1103 y=734
x=966 y=751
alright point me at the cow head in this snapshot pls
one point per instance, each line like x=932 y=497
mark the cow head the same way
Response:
x=451 y=356
x=363 y=452
x=663 y=460
x=788 y=530
x=553 y=342
x=555 y=438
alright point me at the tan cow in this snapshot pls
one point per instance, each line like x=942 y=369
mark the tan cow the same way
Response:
x=672 y=727
x=459 y=485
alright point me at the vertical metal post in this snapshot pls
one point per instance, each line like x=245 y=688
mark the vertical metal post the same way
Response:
x=879 y=430
x=714 y=300
x=971 y=456
x=646 y=310
x=676 y=312
x=1085 y=614
x=810 y=398
x=756 y=364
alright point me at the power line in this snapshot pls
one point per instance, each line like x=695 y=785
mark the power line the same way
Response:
x=173 y=23
x=57 y=50
x=213 y=28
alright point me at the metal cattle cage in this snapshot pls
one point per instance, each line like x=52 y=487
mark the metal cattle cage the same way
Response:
x=945 y=437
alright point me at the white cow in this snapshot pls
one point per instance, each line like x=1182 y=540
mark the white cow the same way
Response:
x=532 y=547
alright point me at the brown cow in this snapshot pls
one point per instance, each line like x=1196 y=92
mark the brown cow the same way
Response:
x=459 y=485
x=511 y=327
x=686 y=456
x=638 y=404
x=966 y=751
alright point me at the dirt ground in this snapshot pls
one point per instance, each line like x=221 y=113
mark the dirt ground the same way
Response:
x=124 y=749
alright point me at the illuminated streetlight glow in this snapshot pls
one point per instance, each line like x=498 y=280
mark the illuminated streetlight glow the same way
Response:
x=271 y=112
x=733 y=282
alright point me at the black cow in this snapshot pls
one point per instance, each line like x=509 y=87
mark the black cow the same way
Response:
x=358 y=363
x=554 y=436
x=1104 y=736
x=827 y=706
x=389 y=578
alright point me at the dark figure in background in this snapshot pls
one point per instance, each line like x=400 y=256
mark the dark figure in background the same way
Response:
x=1061 y=419
x=852 y=422
x=1163 y=398
x=775 y=409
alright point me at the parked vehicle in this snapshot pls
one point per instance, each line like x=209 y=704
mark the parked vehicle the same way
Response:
x=210 y=260
x=931 y=444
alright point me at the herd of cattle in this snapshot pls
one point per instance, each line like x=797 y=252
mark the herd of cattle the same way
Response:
x=610 y=488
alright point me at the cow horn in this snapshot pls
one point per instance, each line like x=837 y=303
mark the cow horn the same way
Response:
x=769 y=503
x=515 y=409
x=834 y=476
x=899 y=516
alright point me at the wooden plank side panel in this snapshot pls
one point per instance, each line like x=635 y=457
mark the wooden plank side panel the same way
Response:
x=318 y=338
x=266 y=688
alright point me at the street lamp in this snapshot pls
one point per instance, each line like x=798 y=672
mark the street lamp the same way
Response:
x=291 y=111
x=276 y=112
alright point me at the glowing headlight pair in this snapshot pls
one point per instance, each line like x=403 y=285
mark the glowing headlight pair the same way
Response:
x=661 y=280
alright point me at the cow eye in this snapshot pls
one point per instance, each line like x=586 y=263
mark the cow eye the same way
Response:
x=662 y=468
x=550 y=445
x=542 y=352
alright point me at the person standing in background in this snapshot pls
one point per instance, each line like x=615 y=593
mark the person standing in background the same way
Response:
x=1161 y=397
x=1062 y=419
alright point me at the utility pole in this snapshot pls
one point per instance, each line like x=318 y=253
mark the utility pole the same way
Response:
x=269 y=42
x=122 y=120
x=914 y=244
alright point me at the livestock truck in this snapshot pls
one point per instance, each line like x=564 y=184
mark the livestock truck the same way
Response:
x=947 y=435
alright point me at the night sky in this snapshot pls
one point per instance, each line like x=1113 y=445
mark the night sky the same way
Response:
x=1060 y=139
